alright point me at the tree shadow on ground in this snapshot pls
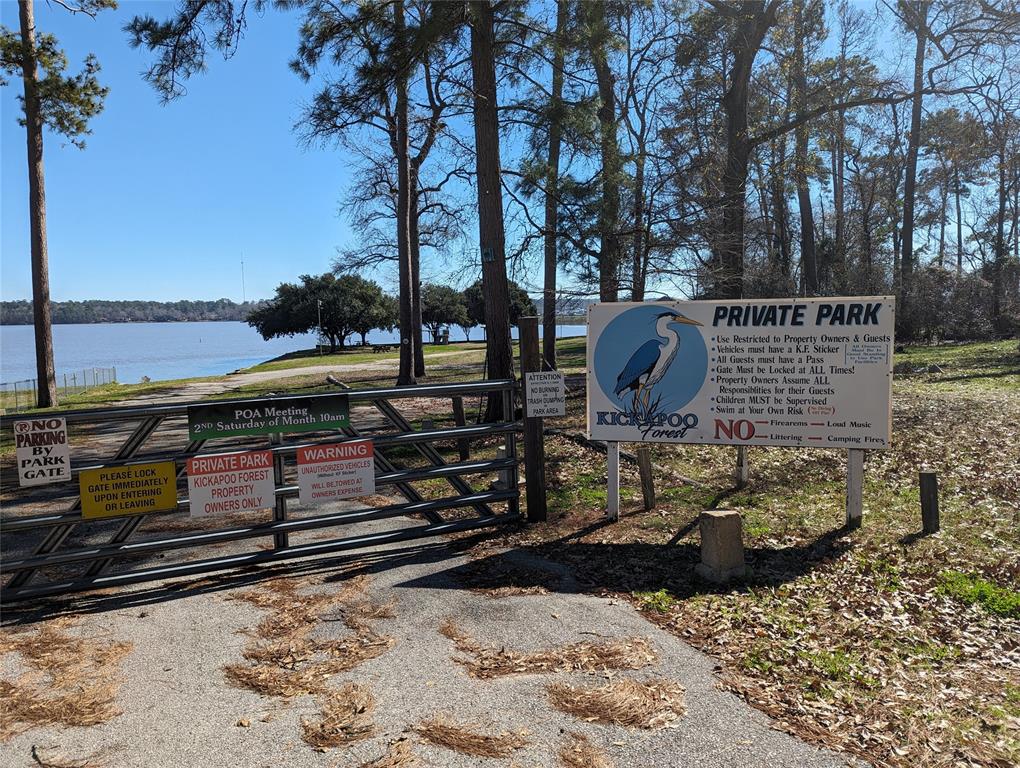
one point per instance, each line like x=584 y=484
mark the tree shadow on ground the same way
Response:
x=572 y=564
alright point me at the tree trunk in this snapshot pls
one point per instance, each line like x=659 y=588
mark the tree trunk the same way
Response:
x=637 y=292
x=728 y=260
x=919 y=12
x=415 y=250
x=41 y=312
x=405 y=375
x=491 y=235
x=959 y=225
x=942 y=229
x=552 y=191
x=808 y=256
x=609 y=218
x=999 y=263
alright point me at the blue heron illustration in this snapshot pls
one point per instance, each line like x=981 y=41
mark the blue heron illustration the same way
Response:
x=649 y=364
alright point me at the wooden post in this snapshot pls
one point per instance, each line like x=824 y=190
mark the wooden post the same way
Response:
x=854 y=488
x=613 y=486
x=644 y=462
x=280 y=540
x=534 y=440
x=929 y=501
x=743 y=471
x=463 y=444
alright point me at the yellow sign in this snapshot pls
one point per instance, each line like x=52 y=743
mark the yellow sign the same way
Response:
x=133 y=490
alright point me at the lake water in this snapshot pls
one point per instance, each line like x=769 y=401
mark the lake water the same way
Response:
x=167 y=350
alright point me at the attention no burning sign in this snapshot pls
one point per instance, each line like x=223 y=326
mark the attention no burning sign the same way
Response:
x=337 y=471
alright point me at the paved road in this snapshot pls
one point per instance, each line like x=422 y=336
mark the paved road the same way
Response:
x=178 y=710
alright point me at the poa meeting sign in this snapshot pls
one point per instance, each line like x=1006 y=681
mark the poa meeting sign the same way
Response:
x=800 y=372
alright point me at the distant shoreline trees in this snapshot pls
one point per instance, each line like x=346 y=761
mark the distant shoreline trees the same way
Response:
x=101 y=311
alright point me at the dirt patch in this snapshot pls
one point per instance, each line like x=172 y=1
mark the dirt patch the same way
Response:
x=69 y=681
x=467 y=740
x=649 y=704
x=345 y=715
x=487 y=663
x=578 y=752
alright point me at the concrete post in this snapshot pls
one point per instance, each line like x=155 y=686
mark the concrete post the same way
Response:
x=722 y=546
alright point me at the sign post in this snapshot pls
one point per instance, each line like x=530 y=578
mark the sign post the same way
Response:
x=534 y=444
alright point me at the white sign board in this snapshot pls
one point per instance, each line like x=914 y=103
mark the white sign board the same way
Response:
x=800 y=372
x=42 y=451
x=333 y=472
x=545 y=393
x=231 y=482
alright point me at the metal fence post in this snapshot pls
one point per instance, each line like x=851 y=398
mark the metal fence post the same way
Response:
x=510 y=444
x=281 y=539
x=534 y=443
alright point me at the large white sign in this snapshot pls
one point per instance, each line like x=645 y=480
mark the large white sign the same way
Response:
x=802 y=372
x=231 y=482
x=333 y=472
x=42 y=451
x=545 y=393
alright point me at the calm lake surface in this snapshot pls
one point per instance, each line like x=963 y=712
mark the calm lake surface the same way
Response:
x=167 y=350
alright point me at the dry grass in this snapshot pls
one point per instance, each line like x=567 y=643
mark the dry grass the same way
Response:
x=651 y=704
x=461 y=738
x=70 y=680
x=398 y=755
x=578 y=752
x=345 y=715
x=487 y=663
x=284 y=660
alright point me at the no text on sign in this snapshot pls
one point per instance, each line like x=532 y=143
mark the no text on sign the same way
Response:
x=265 y=417
x=545 y=393
x=337 y=471
x=136 y=489
x=231 y=482
x=42 y=451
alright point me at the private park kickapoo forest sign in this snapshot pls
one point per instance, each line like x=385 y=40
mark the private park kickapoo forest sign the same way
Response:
x=801 y=372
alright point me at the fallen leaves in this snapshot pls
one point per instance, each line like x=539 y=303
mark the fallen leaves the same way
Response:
x=648 y=704
x=484 y=663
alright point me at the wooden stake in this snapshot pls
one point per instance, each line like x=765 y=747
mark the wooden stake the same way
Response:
x=613 y=486
x=854 y=488
x=929 y=502
x=644 y=462
x=534 y=439
x=743 y=472
x=463 y=444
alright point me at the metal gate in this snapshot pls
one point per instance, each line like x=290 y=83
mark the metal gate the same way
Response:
x=48 y=548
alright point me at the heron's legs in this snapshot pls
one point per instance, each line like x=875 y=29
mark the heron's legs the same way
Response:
x=637 y=399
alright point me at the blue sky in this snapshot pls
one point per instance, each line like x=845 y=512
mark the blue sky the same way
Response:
x=165 y=199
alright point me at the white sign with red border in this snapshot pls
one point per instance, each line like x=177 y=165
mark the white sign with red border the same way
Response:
x=42 y=451
x=231 y=482
x=335 y=471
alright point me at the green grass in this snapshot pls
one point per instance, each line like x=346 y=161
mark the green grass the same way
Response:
x=660 y=600
x=971 y=590
x=982 y=366
x=355 y=356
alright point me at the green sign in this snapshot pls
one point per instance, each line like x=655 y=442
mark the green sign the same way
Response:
x=264 y=417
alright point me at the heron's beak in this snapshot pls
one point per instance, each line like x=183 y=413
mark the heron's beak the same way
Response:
x=685 y=320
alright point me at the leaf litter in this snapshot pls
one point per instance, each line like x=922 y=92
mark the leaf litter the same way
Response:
x=487 y=663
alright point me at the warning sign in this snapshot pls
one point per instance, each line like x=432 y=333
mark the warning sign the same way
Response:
x=137 y=489
x=231 y=482
x=42 y=451
x=337 y=471
x=545 y=393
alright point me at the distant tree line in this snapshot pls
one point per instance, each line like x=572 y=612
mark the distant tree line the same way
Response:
x=98 y=311
x=340 y=307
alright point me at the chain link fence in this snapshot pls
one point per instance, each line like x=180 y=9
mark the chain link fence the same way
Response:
x=22 y=395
